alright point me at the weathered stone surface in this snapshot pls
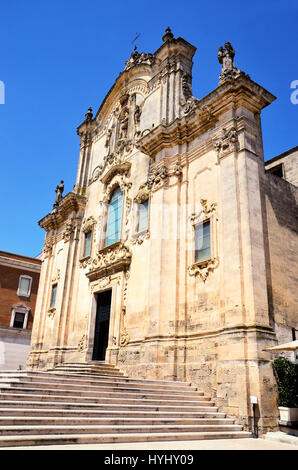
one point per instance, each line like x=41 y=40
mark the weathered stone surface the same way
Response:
x=172 y=317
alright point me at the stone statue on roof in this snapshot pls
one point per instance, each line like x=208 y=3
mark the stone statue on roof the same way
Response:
x=225 y=57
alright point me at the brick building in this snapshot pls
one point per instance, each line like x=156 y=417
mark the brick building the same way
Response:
x=19 y=278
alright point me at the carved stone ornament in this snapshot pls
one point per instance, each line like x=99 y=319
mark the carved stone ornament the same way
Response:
x=143 y=194
x=138 y=58
x=208 y=208
x=82 y=345
x=189 y=100
x=51 y=312
x=228 y=142
x=84 y=262
x=118 y=180
x=110 y=260
x=203 y=269
x=97 y=172
x=113 y=159
x=137 y=115
x=69 y=229
x=124 y=145
x=140 y=237
x=205 y=213
x=56 y=276
x=177 y=170
x=88 y=224
x=226 y=57
x=47 y=248
x=100 y=284
x=108 y=137
x=160 y=176
x=108 y=256
x=124 y=338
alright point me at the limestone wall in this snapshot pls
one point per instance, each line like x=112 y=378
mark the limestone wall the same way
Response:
x=281 y=223
x=289 y=162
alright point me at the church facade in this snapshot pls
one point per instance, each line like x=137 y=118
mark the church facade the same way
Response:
x=174 y=255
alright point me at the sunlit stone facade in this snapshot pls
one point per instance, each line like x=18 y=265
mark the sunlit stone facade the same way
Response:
x=191 y=274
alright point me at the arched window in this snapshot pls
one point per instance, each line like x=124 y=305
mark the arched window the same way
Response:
x=114 y=218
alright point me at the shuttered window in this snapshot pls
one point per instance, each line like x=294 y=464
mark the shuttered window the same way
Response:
x=114 y=218
x=24 y=287
x=87 y=245
x=143 y=216
x=202 y=242
x=53 y=295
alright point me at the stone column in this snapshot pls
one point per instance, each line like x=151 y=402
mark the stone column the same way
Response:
x=242 y=368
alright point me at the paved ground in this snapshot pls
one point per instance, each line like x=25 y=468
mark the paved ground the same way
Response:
x=220 y=444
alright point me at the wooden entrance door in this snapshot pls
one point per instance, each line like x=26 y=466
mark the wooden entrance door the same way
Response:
x=102 y=323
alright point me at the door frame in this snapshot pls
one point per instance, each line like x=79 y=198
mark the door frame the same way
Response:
x=96 y=298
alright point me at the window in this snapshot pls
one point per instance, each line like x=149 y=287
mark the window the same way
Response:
x=114 y=218
x=87 y=244
x=19 y=316
x=19 y=319
x=202 y=242
x=143 y=216
x=53 y=295
x=24 y=288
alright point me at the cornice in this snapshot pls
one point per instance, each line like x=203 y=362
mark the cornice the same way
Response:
x=180 y=131
x=72 y=202
x=19 y=264
x=110 y=260
x=120 y=168
x=205 y=113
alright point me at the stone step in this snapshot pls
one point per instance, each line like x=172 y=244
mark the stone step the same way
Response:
x=78 y=403
x=87 y=367
x=122 y=379
x=93 y=364
x=93 y=378
x=35 y=440
x=120 y=421
x=103 y=396
x=102 y=384
x=48 y=396
x=141 y=406
x=89 y=370
x=91 y=413
x=176 y=393
x=108 y=429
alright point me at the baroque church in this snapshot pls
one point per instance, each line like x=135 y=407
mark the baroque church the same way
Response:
x=173 y=258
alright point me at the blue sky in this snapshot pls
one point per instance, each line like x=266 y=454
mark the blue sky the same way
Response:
x=58 y=58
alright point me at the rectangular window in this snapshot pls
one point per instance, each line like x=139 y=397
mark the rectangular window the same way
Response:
x=143 y=216
x=87 y=245
x=19 y=319
x=114 y=217
x=24 y=288
x=53 y=295
x=202 y=242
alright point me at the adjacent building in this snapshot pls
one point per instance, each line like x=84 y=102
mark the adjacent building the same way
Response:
x=19 y=277
x=175 y=255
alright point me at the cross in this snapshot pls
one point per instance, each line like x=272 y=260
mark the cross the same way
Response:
x=137 y=36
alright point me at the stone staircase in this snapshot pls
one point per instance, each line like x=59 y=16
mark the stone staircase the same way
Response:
x=96 y=403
